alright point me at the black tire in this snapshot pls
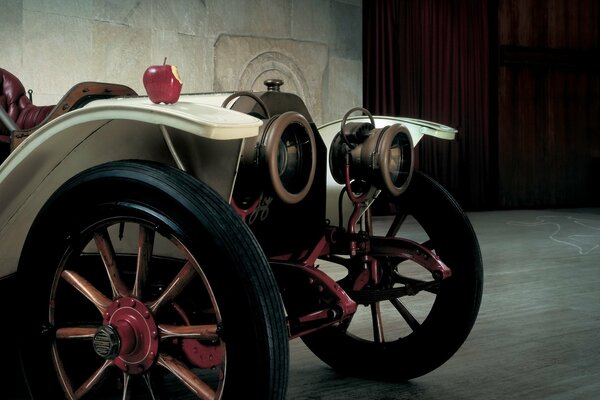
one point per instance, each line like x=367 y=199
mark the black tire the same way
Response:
x=444 y=318
x=197 y=246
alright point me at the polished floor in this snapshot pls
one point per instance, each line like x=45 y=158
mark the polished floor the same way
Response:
x=537 y=334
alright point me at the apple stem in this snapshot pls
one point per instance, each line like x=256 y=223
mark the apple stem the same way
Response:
x=165 y=61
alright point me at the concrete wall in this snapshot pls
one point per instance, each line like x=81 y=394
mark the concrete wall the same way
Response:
x=314 y=45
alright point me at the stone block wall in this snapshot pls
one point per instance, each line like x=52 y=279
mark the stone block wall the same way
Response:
x=315 y=46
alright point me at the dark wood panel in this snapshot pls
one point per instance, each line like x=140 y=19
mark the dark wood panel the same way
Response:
x=548 y=103
x=549 y=23
x=583 y=60
x=549 y=137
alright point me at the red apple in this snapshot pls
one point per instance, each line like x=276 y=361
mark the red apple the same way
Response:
x=162 y=83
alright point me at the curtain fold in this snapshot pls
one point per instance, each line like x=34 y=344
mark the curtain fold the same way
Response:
x=429 y=59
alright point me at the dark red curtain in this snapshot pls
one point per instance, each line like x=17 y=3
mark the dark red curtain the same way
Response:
x=430 y=59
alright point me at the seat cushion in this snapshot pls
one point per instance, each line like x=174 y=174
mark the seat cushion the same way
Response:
x=16 y=103
x=31 y=116
x=13 y=93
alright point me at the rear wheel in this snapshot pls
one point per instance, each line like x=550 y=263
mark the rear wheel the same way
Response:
x=145 y=284
x=410 y=324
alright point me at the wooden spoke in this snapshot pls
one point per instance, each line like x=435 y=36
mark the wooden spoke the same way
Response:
x=408 y=317
x=87 y=289
x=378 y=336
x=175 y=287
x=126 y=380
x=77 y=332
x=107 y=252
x=145 y=248
x=396 y=224
x=187 y=377
x=417 y=284
x=201 y=332
x=92 y=380
x=148 y=384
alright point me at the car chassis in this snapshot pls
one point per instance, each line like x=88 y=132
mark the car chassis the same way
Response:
x=177 y=248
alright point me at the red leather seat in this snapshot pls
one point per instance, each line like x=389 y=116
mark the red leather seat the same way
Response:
x=14 y=100
x=22 y=117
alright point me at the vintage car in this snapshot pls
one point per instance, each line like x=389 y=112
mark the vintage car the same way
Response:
x=169 y=250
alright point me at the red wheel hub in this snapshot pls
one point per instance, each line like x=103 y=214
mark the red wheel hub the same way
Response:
x=129 y=335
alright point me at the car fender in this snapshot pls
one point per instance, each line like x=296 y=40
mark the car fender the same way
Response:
x=195 y=134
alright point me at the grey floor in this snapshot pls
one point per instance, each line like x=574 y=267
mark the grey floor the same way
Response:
x=537 y=334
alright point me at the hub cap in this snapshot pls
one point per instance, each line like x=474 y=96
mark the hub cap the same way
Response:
x=129 y=336
x=107 y=343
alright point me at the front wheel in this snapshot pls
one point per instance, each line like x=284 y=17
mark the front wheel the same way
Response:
x=145 y=284
x=409 y=323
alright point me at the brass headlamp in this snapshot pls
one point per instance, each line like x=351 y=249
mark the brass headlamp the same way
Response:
x=368 y=156
x=280 y=160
